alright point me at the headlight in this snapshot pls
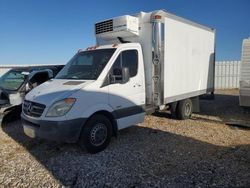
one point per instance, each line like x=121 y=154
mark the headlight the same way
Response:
x=60 y=108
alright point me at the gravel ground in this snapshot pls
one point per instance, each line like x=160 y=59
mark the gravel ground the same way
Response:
x=161 y=152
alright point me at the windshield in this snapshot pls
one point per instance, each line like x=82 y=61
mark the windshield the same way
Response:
x=86 y=65
x=12 y=80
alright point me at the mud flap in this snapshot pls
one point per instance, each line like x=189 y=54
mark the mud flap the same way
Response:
x=196 y=104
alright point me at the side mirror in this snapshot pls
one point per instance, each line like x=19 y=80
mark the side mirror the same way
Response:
x=125 y=74
x=119 y=75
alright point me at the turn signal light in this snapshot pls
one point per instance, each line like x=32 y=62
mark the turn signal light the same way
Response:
x=69 y=100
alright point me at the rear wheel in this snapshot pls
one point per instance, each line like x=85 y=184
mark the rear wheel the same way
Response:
x=185 y=109
x=96 y=134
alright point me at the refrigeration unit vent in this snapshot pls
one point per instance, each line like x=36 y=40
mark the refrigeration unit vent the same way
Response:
x=103 y=27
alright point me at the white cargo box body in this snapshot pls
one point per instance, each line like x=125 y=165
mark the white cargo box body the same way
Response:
x=186 y=50
x=245 y=74
x=188 y=61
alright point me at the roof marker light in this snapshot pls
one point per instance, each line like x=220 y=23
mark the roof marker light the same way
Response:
x=92 y=47
x=157 y=17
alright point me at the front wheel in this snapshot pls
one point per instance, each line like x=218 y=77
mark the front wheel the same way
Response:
x=96 y=134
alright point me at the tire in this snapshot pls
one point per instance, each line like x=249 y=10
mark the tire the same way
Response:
x=184 y=109
x=96 y=134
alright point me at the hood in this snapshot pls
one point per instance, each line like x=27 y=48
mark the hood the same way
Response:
x=54 y=90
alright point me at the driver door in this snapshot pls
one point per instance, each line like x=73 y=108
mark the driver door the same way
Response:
x=127 y=97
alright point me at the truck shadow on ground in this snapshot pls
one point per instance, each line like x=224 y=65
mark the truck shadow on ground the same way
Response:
x=225 y=108
x=142 y=157
x=222 y=105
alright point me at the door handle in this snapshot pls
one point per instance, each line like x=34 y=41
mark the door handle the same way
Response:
x=138 y=85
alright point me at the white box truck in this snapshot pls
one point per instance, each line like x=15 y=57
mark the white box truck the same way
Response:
x=141 y=63
x=245 y=74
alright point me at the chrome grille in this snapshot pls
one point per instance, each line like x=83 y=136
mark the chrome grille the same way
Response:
x=103 y=27
x=33 y=109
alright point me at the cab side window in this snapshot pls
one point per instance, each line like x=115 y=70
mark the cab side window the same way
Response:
x=39 y=78
x=128 y=59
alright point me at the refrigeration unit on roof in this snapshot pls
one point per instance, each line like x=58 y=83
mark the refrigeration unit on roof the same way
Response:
x=123 y=26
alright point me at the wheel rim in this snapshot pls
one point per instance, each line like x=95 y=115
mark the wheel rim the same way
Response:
x=187 y=109
x=98 y=134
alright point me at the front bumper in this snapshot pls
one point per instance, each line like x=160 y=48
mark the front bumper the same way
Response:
x=64 y=131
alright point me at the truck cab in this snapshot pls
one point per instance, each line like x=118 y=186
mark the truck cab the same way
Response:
x=99 y=91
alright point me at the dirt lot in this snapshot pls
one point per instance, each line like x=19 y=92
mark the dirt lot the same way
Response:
x=201 y=152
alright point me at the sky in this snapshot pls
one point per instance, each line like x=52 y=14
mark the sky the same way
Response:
x=52 y=31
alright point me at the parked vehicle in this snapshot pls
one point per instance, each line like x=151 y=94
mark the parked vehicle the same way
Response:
x=140 y=64
x=245 y=74
x=17 y=82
